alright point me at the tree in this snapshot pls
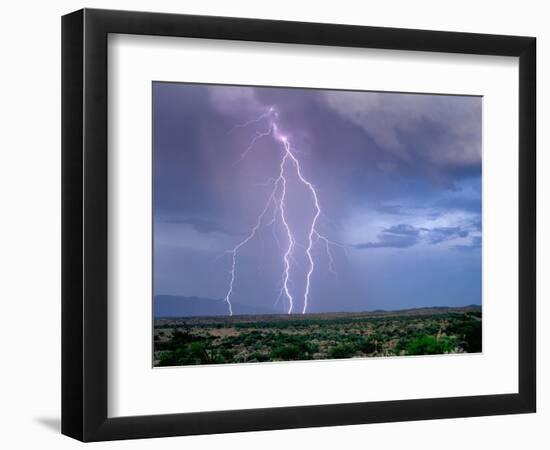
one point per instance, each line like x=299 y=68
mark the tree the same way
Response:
x=429 y=345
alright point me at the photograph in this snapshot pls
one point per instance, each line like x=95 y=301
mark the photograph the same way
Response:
x=294 y=224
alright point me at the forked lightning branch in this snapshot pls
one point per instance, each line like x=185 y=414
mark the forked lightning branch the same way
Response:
x=277 y=200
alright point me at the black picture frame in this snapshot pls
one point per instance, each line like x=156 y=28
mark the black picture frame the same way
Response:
x=84 y=224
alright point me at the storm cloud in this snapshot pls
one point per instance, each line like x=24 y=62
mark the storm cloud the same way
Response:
x=396 y=236
x=404 y=236
x=399 y=184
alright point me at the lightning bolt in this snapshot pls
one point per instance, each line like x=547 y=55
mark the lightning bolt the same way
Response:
x=277 y=200
x=241 y=244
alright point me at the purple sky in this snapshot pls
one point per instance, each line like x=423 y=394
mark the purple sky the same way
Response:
x=398 y=178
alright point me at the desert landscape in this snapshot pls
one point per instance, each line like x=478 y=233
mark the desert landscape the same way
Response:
x=261 y=338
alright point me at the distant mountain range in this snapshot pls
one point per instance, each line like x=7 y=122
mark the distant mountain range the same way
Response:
x=180 y=306
x=170 y=306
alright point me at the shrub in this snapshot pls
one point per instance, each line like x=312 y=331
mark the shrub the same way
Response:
x=467 y=329
x=429 y=345
x=287 y=352
x=340 y=351
x=367 y=346
x=258 y=357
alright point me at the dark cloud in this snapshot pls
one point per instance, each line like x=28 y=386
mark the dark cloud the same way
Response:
x=404 y=236
x=397 y=236
x=432 y=136
x=441 y=234
x=201 y=225
x=450 y=127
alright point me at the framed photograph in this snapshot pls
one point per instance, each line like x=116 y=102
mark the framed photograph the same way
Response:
x=273 y=224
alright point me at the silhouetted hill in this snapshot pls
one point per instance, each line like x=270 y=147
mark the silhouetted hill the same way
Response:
x=180 y=306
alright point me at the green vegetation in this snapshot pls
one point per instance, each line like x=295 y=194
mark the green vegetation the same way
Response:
x=316 y=336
